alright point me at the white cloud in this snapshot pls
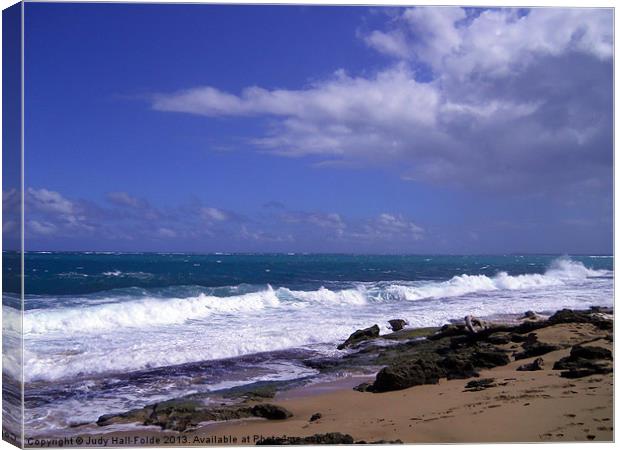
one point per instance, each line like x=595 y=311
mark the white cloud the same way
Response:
x=494 y=42
x=124 y=199
x=392 y=43
x=322 y=220
x=41 y=228
x=264 y=236
x=166 y=232
x=48 y=201
x=390 y=225
x=213 y=214
x=514 y=100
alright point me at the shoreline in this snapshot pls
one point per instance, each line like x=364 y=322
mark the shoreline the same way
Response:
x=515 y=406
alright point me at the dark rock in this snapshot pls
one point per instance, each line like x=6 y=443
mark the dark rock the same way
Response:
x=316 y=439
x=360 y=336
x=530 y=315
x=397 y=324
x=381 y=442
x=537 y=364
x=536 y=349
x=480 y=385
x=601 y=309
x=127 y=417
x=590 y=352
x=410 y=333
x=407 y=374
x=530 y=339
x=518 y=338
x=363 y=387
x=457 y=368
x=271 y=412
x=586 y=371
x=487 y=359
x=584 y=361
x=180 y=415
x=322 y=364
x=253 y=392
x=500 y=338
x=315 y=417
x=570 y=316
x=449 y=330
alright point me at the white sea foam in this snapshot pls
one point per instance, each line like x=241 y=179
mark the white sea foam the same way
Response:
x=151 y=312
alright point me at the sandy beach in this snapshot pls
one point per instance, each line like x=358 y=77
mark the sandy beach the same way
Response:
x=524 y=406
x=501 y=404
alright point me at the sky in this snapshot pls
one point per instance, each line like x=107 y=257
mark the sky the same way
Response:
x=209 y=128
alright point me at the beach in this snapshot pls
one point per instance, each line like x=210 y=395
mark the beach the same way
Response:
x=503 y=404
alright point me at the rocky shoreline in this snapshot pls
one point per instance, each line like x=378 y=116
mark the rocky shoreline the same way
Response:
x=402 y=359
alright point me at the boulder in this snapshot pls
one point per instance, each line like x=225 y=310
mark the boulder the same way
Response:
x=360 y=336
x=397 y=324
x=407 y=374
x=537 y=364
x=584 y=361
x=590 y=352
x=271 y=412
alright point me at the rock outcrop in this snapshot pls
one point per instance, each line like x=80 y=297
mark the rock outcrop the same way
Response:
x=407 y=374
x=180 y=415
x=360 y=336
x=584 y=361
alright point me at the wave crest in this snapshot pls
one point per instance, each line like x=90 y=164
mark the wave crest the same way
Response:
x=150 y=311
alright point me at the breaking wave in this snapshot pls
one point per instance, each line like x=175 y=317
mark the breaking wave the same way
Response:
x=150 y=311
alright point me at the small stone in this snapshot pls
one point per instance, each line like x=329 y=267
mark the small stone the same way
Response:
x=537 y=364
x=315 y=417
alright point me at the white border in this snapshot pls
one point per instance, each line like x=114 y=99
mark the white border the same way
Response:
x=481 y=3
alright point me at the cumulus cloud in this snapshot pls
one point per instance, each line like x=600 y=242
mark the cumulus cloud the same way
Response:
x=393 y=43
x=132 y=206
x=210 y=214
x=41 y=228
x=52 y=213
x=323 y=220
x=390 y=226
x=124 y=199
x=517 y=100
x=48 y=201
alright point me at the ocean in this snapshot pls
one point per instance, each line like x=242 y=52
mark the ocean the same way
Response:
x=107 y=332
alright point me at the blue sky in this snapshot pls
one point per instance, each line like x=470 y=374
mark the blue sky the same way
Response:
x=318 y=129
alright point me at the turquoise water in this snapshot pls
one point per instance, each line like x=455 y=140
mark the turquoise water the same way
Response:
x=84 y=273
